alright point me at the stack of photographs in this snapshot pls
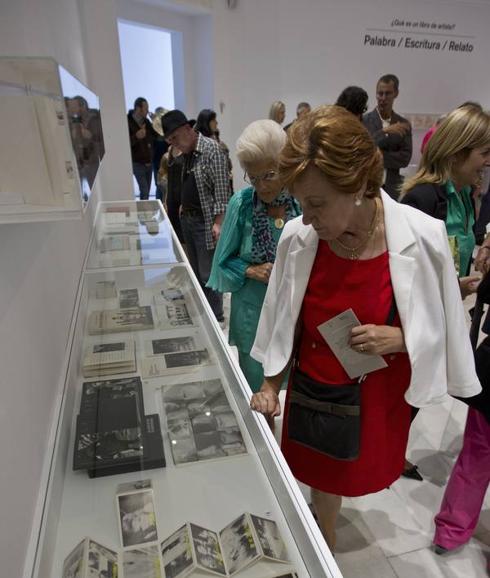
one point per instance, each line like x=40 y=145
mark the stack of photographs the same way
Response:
x=120 y=320
x=247 y=541
x=200 y=422
x=173 y=356
x=109 y=358
x=113 y=435
x=90 y=560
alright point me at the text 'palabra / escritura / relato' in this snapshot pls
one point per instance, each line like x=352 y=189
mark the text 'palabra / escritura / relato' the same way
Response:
x=418 y=43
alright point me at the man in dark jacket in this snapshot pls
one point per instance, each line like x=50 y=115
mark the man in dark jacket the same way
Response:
x=391 y=132
x=141 y=136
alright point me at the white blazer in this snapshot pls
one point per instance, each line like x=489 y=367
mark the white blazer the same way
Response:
x=426 y=291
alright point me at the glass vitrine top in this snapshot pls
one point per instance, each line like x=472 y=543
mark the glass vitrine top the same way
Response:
x=132 y=233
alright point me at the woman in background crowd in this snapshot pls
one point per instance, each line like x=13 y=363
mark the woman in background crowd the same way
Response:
x=452 y=163
x=355 y=248
x=207 y=125
x=354 y=99
x=246 y=249
x=277 y=111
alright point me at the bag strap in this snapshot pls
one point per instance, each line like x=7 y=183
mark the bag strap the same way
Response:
x=392 y=312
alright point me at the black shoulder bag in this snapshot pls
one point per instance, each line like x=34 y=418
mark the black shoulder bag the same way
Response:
x=327 y=418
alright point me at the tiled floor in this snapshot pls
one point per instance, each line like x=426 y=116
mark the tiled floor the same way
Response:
x=389 y=534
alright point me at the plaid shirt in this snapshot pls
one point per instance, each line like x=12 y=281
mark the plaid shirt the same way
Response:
x=210 y=167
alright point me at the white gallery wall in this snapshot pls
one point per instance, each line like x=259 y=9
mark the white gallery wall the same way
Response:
x=235 y=61
x=39 y=271
x=295 y=51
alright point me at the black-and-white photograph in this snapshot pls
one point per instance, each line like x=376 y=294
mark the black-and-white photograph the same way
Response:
x=232 y=442
x=208 y=446
x=174 y=345
x=184 y=451
x=142 y=563
x=102 y=562
x=203 y=423
x=128 y=298
x=73 y=564
x=187 y=358
x=239 y=548
x=137 y=518
x=225 y=420
x=210 y=435
x=185 y=392
x=179 y=429
x=208 y=550
x=107 y=347
x=177 y=554
x=176 y=315
x=270 y=539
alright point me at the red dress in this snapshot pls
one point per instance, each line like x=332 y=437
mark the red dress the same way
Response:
x=337 y=284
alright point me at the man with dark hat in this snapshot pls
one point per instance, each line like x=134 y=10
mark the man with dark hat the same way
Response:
x=204 y=196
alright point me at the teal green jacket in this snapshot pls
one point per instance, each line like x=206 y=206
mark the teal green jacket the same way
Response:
x=232 y=256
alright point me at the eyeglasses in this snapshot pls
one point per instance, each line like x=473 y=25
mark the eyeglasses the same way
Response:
x=268 y=176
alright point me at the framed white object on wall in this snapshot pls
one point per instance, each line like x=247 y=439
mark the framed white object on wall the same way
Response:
x=52 y=143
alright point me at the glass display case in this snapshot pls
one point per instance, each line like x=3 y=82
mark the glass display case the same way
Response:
x=52 y=142
x=160 y=469
x=132 y=233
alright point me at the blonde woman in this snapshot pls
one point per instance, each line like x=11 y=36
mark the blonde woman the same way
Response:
x=355 y=248
x=452 y=163
x=278 y=111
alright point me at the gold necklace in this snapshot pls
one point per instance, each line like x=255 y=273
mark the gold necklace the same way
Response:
x=355 y=252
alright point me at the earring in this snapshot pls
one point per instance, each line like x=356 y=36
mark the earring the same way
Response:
x=358 y=202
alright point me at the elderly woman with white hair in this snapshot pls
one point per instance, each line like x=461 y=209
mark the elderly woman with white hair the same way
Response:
x=246 y=249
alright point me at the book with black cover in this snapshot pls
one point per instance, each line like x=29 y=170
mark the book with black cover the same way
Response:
x=113 y=435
